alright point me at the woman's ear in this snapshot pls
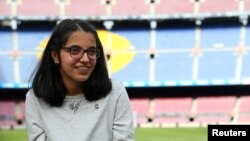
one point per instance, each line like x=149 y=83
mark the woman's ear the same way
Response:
x=55 y=57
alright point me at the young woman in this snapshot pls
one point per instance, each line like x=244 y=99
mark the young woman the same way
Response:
x=72 y=97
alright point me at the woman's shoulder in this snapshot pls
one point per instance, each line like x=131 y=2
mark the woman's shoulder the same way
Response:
x=117 y=88
x=117 y=85
x=30 y=94
x=32 y=98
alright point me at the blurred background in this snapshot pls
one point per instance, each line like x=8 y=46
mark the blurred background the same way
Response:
x=183 y=62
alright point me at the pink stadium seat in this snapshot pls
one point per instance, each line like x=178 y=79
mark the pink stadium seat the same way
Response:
x=172 y=105
x=210 y=6
x=171 y=110
x=130 y=8
x=212 y=119
x=174 y=7
x=223 y=104
x=244 y=118
x=22 y=104
x=5 y=9
x=247 y=5
x=7 y=108
x=162 y=120
x=7 y=114
x=20 y=112
x=7 y=123
x=140 y=109
x=244 y=109
x=216 y=109
x=85 y=8
x=244 y=104
x=38 y=8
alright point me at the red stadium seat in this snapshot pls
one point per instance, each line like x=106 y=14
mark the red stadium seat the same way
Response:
x=7 y=114
x=46 y=8
x=85 y=8
x=247 y=5
x=244 y=110
x=140 y=109
x=174 y=7
x=171 y=110
x=216 y=109
x=210 y=6
x=130 y=8
x=5 y=9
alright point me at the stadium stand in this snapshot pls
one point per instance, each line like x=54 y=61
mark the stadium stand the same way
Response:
x=85 y=8
x=6 y=67
x=214 y=109
x=174 y=70
x=32 y=9
x=168 y=37
x=182 y=54
x=209 y=6
x=171 y=110
x=174 y=7
x=133 y=8
x=221 y=40
x=7 y=114
x=245 y=67
x=247 y=42
x=244 y=111
x=133 y=71
x=141 y=110
x=5 y=9
x=215 y=51
x=141 y=57
x=6 y=35
x=247 y=5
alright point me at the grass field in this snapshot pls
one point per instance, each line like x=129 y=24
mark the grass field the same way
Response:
x=141 y=134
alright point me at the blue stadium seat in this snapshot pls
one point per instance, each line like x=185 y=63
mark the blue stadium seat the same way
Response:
x=140 y=38
x=217 y=65
x=137 y=70
x=29 y=40
x=27 y=66
x=247 y=41
x=246 y=66
x=214 y=36
x=173 y=66
x=6 y=40
x=6 y=69
x=171 y=38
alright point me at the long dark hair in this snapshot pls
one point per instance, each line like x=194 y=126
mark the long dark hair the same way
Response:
x=47 y=82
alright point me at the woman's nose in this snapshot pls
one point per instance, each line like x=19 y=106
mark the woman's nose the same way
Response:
x=84 y=57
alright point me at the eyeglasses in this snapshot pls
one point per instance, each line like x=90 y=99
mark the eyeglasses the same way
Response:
x=77 y=52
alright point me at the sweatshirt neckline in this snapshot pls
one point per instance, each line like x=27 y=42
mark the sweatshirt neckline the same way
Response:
x=74 y=98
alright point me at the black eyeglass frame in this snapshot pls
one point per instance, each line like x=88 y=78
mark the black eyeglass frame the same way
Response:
x=70 y=50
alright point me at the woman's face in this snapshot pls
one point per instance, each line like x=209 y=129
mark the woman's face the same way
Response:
x=76 y=70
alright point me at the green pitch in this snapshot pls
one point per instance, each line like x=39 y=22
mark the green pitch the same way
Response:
x=171 y=134
x=141 y=134
x=13 y=135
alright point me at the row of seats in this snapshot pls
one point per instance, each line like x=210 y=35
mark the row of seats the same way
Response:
x=175 y=59
x=118 y=7
x=160 y=111
x=11 y=113
x=201 y=110
x=177 y=68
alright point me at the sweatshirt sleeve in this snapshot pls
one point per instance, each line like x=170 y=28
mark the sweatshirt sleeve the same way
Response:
x=33 y=119
x=123 y=128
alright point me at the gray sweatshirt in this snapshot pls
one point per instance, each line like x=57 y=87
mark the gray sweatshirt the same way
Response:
x=108 y=119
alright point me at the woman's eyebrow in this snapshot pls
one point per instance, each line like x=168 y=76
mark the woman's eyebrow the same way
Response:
x=73 y=46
